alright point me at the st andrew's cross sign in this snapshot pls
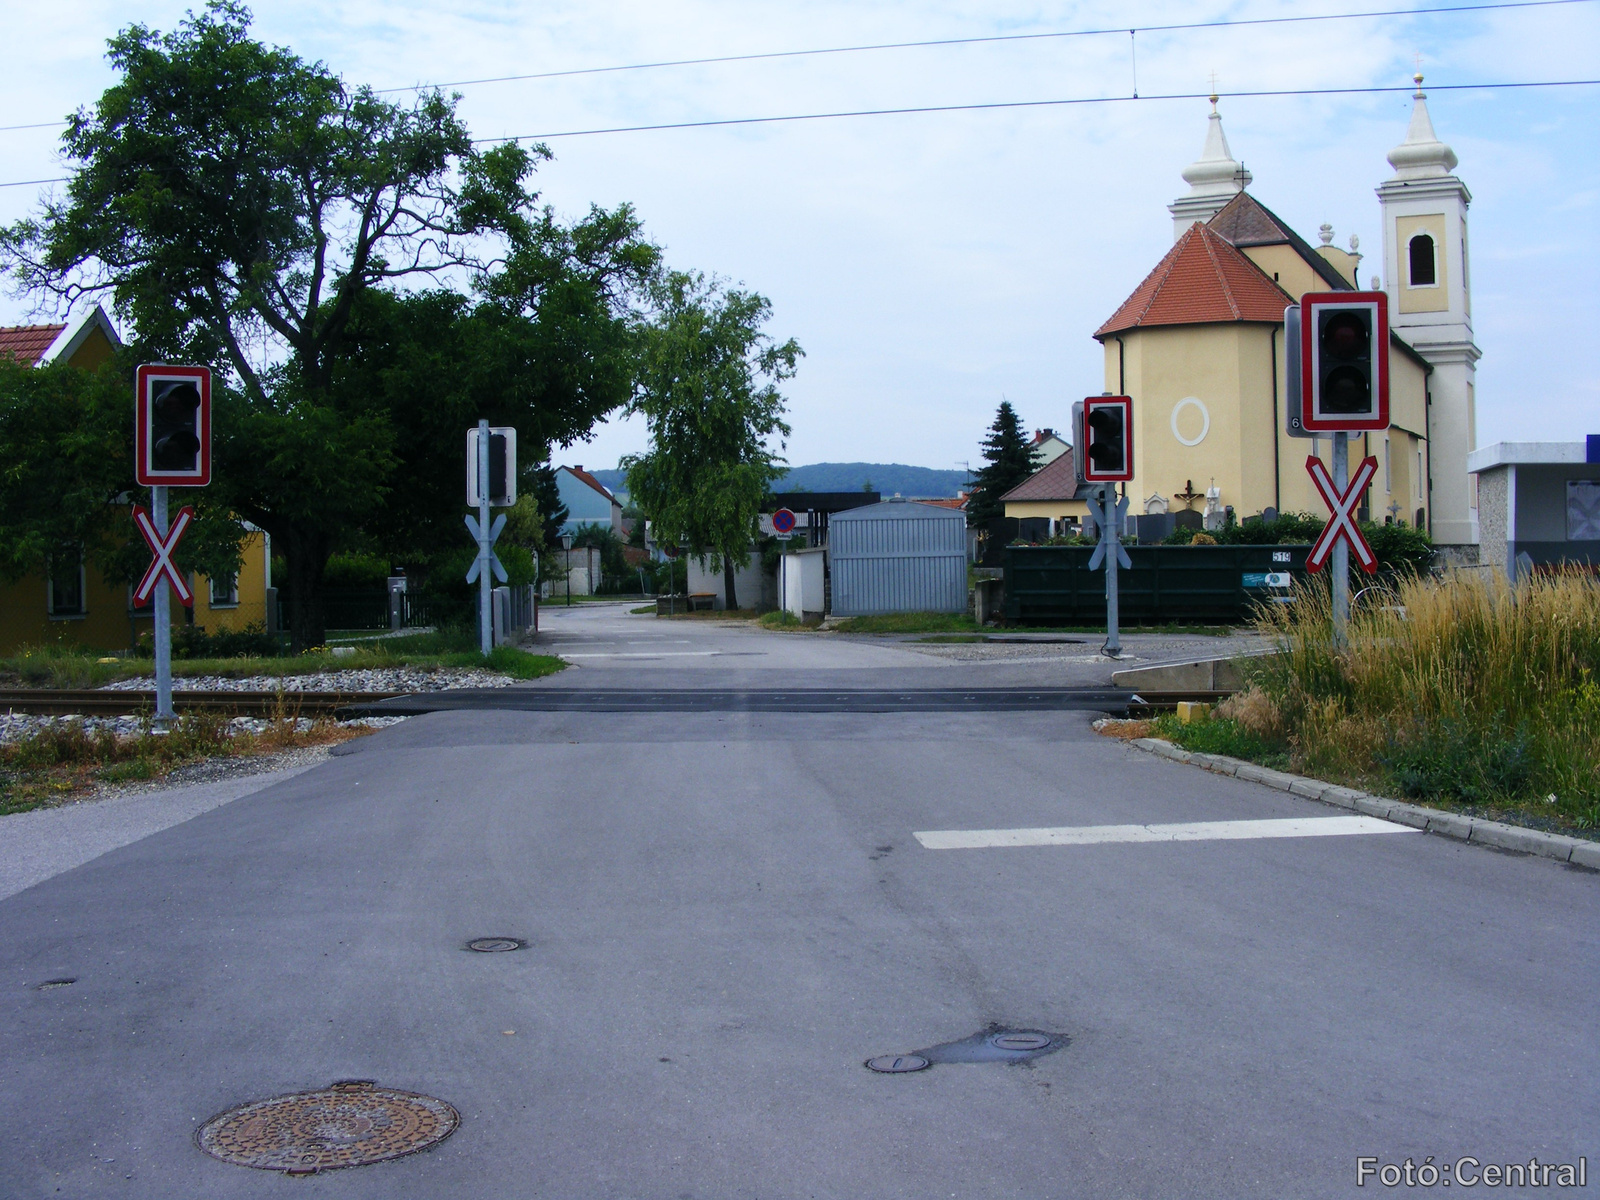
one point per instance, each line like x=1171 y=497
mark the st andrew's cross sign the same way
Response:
x=1341 y=525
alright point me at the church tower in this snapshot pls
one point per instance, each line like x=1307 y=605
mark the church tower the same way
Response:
x=1425 y=272
x=1214 y=178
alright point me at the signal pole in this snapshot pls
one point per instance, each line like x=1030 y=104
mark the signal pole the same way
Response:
x=1341 y=551
x=1111 y=534
x=163 y=619
x=485 y=584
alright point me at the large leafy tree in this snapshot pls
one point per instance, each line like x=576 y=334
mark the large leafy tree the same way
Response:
x=66 y=458
x=1008 y=460
x=238 y=203
x=708 y=392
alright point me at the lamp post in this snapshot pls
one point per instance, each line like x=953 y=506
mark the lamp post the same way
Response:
x=566 y=558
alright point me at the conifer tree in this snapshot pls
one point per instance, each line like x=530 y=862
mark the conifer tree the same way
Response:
x=1009 y=458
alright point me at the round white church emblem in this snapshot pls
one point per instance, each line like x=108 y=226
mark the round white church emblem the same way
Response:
x=1205 y=421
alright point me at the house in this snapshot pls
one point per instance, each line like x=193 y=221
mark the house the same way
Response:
x=587 y=501
x=1538 y=504
x=1047 y=446
x=72 y=601
x=1046 y=504
x=1199 y=346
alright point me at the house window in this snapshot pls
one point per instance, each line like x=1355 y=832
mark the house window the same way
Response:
x=66 y=585
x=1424 y=270
x=225 y=591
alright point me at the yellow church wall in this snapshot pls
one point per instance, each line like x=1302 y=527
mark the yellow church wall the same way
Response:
x=1284 y=266
x=1227 y=368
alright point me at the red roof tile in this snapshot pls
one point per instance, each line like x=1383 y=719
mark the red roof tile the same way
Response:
x=27 y=343
x=1202 y=279
x=1056 y=480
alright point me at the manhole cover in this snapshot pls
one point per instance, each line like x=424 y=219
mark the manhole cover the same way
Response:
x=495 y=945
x=346 y=1125
x=1020 y=1041
x=897 y=1064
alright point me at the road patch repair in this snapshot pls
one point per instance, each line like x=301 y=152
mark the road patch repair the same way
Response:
x=995 y=1044
x=1187 y=831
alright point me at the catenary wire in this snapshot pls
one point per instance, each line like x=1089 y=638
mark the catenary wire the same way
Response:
x=992 y=38
x=984 y=107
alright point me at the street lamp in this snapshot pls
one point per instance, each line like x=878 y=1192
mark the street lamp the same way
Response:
x=566 y=556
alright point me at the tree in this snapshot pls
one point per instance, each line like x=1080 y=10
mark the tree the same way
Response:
x=66 y=459
x=1010 y=460
x=247 y=209
x=708 y=392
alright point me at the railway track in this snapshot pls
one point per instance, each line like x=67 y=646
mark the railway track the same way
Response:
x=95 y=702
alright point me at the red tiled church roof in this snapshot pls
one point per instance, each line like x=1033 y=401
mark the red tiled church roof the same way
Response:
x=1203 y=279
x=27 y=343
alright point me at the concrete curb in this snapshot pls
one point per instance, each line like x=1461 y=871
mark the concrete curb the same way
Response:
x=1577 y=851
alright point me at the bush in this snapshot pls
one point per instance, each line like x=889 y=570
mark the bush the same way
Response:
x=192 y=641
x=1453 y=760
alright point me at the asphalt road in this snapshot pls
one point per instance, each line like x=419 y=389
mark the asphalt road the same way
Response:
x=728 y=913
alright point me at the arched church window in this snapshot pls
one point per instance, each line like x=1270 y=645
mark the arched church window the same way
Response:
x=1424 y=272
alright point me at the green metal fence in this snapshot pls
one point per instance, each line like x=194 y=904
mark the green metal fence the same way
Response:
x=1047 y=585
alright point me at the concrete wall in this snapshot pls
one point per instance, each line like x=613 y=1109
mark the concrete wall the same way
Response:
x=752 y=587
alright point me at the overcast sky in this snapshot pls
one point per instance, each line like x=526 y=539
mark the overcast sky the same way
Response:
x=931 y=264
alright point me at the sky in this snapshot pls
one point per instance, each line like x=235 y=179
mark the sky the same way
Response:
x=932 y=264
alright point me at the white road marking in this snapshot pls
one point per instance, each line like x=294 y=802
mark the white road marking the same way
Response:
x=1190 y=831
x=639 y=654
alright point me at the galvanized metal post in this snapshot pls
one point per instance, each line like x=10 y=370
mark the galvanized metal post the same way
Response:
x=163 y=618
x=1110 y=536
x=485 y=580
x=1341 y=548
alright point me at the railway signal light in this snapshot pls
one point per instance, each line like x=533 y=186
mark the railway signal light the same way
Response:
x=1103 y=431
x=1344 y=362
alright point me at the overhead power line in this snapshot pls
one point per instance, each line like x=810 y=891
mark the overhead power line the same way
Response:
x=984 y=107
x=939 y=108
x=993 y=38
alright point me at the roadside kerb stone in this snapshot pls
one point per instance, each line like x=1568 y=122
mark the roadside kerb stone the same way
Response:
x=1579 y=851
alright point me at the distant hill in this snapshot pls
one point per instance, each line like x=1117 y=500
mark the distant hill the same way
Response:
x=885 y=478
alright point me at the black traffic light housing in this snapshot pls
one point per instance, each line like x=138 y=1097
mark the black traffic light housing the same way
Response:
x=502 y=467
x=1344 y=362
x=1103 y=430
x=172 y=430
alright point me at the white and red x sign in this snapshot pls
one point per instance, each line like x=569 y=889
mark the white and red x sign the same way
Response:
x=1342 y=524
x=162 y=548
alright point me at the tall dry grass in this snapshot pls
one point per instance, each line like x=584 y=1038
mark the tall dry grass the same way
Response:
x=1467 y=686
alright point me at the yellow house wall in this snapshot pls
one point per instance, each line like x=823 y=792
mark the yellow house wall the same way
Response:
x=108 y=624
x=1228 y=368
x=96 y=349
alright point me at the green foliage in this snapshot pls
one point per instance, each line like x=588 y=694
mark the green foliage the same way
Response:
x=908 y=623
x=66 y=479
x=1400 y=549
x=191 y=641
x=247 y=209
x=356 y=571
x=1456 y=760
x=708 y=392
x=1009 y=460
x=1219 y=735
x=614 y=568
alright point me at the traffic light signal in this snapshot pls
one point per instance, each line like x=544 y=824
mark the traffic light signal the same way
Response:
x=172 y=433
x=1105 y=439
x=1344 y=361
x=174 y=421
x=502 y=467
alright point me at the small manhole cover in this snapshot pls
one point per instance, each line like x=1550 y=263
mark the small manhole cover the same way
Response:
x=495 y=945
x=1020 y=1041
x=897 y=1064
x=347 y=1125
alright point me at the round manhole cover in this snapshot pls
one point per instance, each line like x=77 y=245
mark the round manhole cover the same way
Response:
x=897 y=1064
x=1020 y=1041
x=495 y=945
x=346 y=1125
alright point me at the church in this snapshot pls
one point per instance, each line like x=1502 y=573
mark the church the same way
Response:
x=1199 y=346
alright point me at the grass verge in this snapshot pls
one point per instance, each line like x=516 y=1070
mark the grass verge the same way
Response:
x=71 y=667
x=914 y=622
x=1468 y=695
x=66 y=760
